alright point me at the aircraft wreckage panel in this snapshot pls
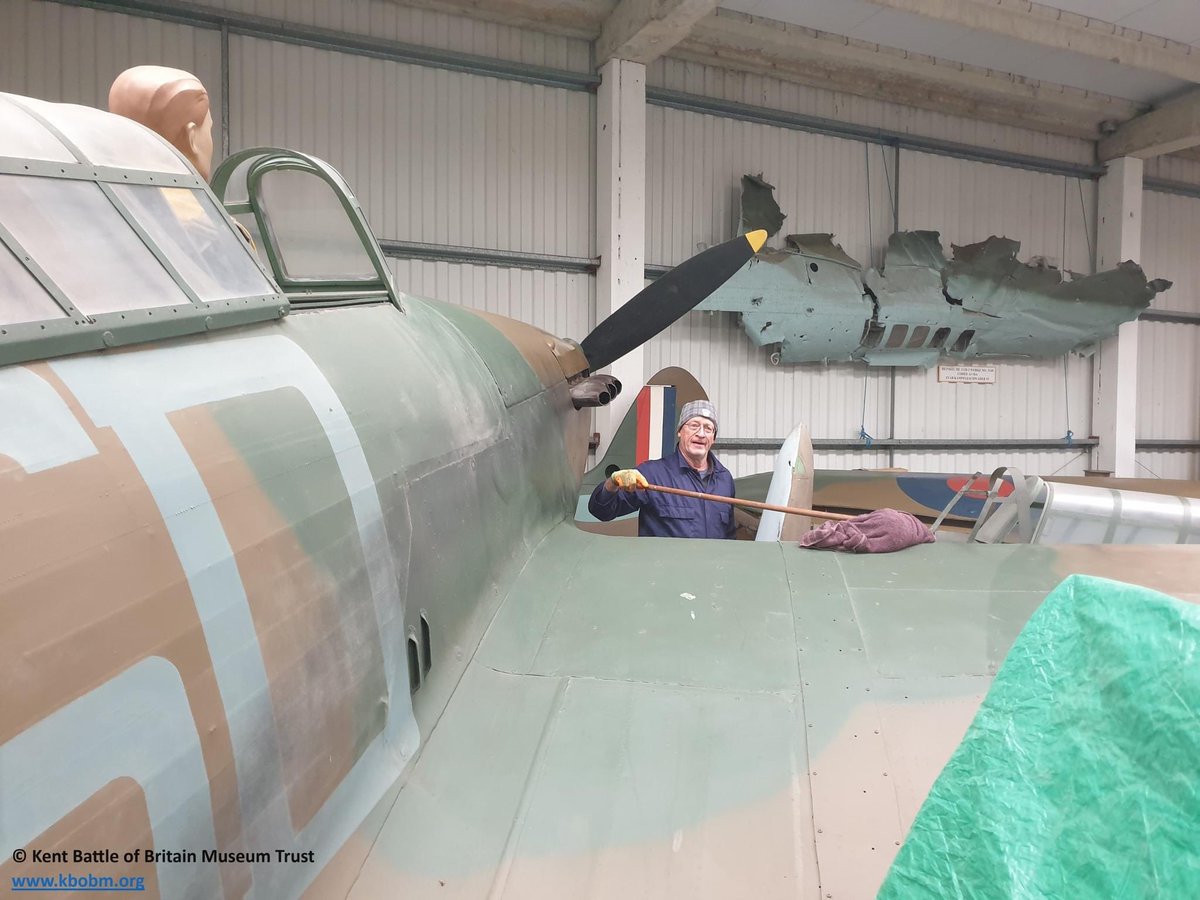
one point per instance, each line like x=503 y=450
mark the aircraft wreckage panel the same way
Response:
x=806 y=299
x=812 y=303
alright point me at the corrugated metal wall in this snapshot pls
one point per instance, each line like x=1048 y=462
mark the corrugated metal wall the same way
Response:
x=465 y=160
x=434 y=155
x=761 y=90
x=1169 y=355
x=828 y=184
x=560 y=302
x=693 y=184
x=425 y=27
x=71 y=55
x=1052 y=216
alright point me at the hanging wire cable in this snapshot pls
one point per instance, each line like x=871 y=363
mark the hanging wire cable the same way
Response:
x=870 y=236
x=1067 y=463
x=1063 y=259
x=1086 y=231
x=1151 y=471
x=888 y=176
x=862 y=428
x=1070 y=435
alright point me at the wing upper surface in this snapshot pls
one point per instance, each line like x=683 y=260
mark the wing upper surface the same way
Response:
x=711 y=719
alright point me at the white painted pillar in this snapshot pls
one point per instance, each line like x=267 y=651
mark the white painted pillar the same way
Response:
x=1115 y=372
x=620 y=218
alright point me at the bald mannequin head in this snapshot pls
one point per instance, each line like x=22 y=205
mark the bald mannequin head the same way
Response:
x=172 y=103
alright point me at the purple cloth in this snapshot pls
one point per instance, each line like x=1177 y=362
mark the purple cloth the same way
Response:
x=881 y=531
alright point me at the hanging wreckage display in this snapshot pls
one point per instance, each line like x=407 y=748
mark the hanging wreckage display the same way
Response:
x=812 y=302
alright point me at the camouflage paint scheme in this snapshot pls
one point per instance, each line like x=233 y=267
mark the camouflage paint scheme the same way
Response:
x=674 y=718
x=219 y=558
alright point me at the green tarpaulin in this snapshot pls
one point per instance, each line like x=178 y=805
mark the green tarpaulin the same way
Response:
x=1080 y=776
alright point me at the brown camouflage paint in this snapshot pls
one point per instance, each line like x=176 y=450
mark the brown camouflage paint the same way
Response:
x=299 y=615
x=114 y=816
x=95 y=587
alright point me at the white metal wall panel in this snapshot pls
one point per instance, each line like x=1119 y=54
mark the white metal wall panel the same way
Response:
x=694 y=166
x=434 y=156
x=558 y=302
x=71 y=55
x=693 y=184
x=756 y=399
x=750 y=462
x=1168 y=381
x=1168 y=464
x=1170 y=238
x=1030 y=462
x=392 y=21
x=1169 y=354
x=1173 y=168
x=773 y=93
x=1043 y=398
x=1052 y=217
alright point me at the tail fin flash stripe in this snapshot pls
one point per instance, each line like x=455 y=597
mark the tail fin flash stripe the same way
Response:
x=655 y=422
x=642 y=444
x=667 y=409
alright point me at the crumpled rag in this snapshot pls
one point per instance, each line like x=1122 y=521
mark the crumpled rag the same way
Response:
x=881 y=531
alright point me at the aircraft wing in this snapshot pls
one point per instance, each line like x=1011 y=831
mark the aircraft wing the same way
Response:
x=657 y=718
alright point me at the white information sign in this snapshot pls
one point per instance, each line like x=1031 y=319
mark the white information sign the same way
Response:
x=967 y=374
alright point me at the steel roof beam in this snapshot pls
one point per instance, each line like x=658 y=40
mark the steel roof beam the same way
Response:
x=1173 y=126
x=643 y=30
x=793 y=53
x=1058 y=29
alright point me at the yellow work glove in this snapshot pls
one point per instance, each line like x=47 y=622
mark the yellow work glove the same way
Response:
x=626 y=480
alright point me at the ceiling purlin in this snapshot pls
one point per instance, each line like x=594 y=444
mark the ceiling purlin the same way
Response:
x=569 y=18
x=749 y=43
x=793 y=53
x=1057 y=29
x=1174 y=126
x=643 y=30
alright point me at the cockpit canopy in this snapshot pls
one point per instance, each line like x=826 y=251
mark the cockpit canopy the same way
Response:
x=109 y=237
x=307 y=226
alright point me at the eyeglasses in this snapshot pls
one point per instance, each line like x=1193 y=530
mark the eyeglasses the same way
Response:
x=699 y=428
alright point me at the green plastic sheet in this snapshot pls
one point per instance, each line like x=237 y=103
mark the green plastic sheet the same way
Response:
x=1079 y=776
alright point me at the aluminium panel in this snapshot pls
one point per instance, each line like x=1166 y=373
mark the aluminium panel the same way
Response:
x=70 y=54
x=424 y=27
x=694 y=167
x=433 y=155
x=1168 y=396
x=558 y=302
x=758 y=400
x=1053 y=218
x=1168 y=464
x=1173 y=167
x=1170 y=226
x=761 y=90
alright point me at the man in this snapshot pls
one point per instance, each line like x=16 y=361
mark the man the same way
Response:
x=692 y=467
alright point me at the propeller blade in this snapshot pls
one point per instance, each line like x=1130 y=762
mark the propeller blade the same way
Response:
x=666 y=299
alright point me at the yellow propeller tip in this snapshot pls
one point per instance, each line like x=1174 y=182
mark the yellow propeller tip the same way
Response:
x=757 y=238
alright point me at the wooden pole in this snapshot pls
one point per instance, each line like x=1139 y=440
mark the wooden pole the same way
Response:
x=752 y=504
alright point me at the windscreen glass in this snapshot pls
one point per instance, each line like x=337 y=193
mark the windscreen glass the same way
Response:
x=211 y=257
x=77 y=236
x=24 y=137
x=22 y=299
x=311 y=229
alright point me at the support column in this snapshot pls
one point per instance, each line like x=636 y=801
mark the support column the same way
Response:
x=620 y=218
x=1115 y=370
